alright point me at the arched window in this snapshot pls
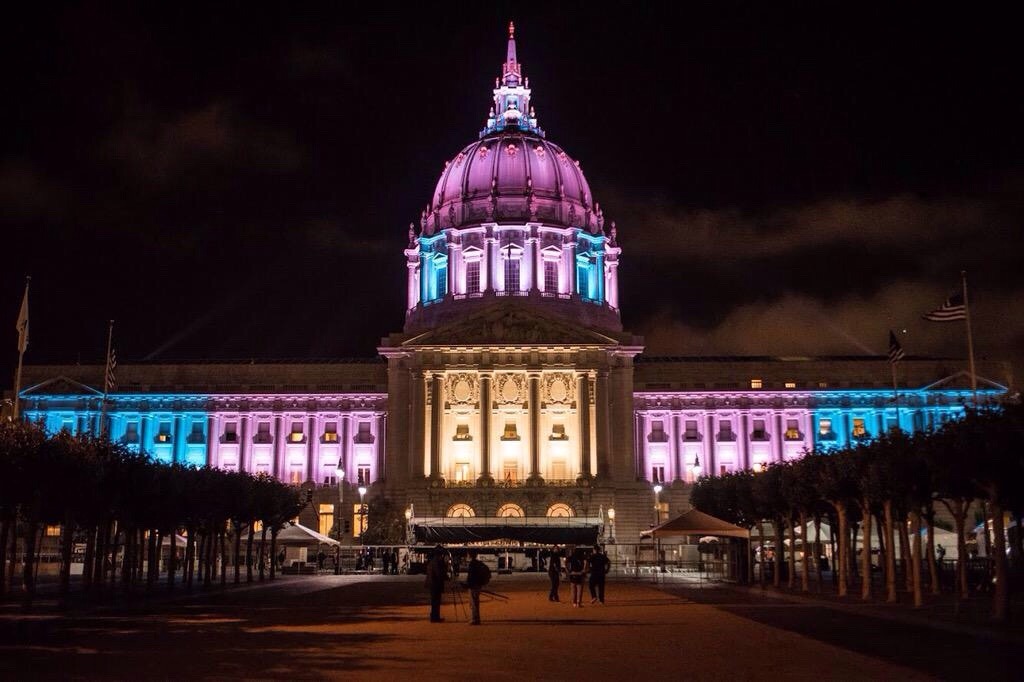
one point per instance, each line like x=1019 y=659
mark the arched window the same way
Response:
x=460 y=511
x=513 y=510
x=560 y=510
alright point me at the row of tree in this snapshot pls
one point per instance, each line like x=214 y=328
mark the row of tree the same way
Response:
x=895 y=484
x=125 y=508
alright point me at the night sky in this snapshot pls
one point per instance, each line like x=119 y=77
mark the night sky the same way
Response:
x=233 y=182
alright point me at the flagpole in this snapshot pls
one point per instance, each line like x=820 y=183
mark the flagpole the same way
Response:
x=22 y=345
x=896 y=395
x=970 y=340
x=106 y=382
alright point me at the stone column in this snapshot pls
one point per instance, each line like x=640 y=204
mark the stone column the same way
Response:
x=212 y=442
x=382 y=427
x=278 y=465
x=583 y=410
x=485 y=430
x=529 y=281
x=709 y=449
x=416 y=419
x=436 y=409
x=178 y=446
x=311 y=450
x=244 y=447
x=345 y=452
x=604 y=458
x=780 y=438
x=535 y=427
x=144 y=432
x=744 y=435
x=454 y=262
x=679 y=469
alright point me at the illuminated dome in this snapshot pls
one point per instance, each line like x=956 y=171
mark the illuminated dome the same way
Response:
x=512 y=216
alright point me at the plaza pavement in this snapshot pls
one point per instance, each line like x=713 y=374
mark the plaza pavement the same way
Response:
x=348 y=627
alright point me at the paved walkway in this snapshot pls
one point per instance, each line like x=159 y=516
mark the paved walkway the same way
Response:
x=348 y=626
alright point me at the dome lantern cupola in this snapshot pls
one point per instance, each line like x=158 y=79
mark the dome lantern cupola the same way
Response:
x=512 y=216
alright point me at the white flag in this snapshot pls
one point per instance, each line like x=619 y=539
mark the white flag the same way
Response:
x=22 y=324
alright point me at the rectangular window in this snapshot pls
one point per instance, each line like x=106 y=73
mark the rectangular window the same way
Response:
x=891 y=424
x=510 y=432
x=363 y=435
x=759 y=431
x=510 y=471
x=296 y=434
x=550 y=277
x=822 y=384
x=657 y=434
x=197 y=435
x=558 y=470
x=792 y=429
x=725 y=431
x=512 y=274
x=53 y=531
x=473 y=277
x=825 y=428
x=331 y=432
x=295 y=475
x=263 y=433
x=756 y=383
x=326 y=519
x=363 y=474
x=358 y=520
x=691 y=431
x=790 y=384
x=657 y=473
x=163 y=435
x=230 y=432
x=131 y=432
x=329 y=479
x=462 y=471
x=462 y=432
x=859 y=430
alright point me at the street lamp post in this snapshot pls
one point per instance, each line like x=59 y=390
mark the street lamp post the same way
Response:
x=362 y=513
x=408 y=522
x=657 y=503
x=611 y=525
x=339 y=517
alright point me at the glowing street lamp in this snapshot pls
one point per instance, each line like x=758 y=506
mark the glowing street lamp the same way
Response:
x=362 y=513
x=696 y=466
x=611 y=524
x=657 y=503
x=408 y=523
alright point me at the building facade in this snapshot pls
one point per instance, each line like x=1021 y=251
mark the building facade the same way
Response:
x=512 y=391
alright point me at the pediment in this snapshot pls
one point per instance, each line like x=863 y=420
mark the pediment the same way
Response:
x=509 y=324
x=61 y=385
x=962 y=381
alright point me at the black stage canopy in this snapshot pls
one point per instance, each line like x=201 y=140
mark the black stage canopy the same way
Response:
x=539 y=530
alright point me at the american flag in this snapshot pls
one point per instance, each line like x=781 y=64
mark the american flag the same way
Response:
x=109 y=383
x=895 y=349
x=953 y=309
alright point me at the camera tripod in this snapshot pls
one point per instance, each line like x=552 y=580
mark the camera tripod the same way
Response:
x=458 y=604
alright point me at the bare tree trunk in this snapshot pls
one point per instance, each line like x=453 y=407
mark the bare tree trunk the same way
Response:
x=5 y=533
x=865 y=561
x=987 y=544
x=223 y=559
x=238 y=552
x=263 y=545
x=248 y=552
x=853 y=551
x=933 y=569
x=844 y=539
x=805 y=568
x=155 y=543
x=1001 y=596
x=760 y=537
x=89 y=558
x=12 y=561
x=779 y=552
x=890 y=553
x=28 y=574
x=273 y=554
x=817 y=550
x=915 y=558
x=791 y=578
x=172 y=558
x=190 y=558
x=905 y=554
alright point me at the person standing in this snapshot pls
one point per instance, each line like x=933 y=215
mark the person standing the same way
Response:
x=554 y=573
x=477 y=577
x=437 y=574
x=599 y=565
x=577 y=573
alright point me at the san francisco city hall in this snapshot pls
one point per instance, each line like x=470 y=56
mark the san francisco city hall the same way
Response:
x=513 y=396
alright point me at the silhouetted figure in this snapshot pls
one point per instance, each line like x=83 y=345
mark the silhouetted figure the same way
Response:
x=554 y=574
x=599 y=565
x=437 y=574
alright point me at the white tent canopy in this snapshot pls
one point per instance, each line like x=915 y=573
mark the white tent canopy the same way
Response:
x=297 y=534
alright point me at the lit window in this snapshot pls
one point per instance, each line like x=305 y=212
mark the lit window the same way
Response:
x=331 y=432
x=326 y=518
x=296 y=435
x=560 y=510
x=510 y=432
x=790 y=384
x=510 y=471
x=825 y=429
x=510 y=510
x=473 y=277
x=460 y=511
x=53 y=531
x=859 y=430
x=822 y=384
x=462 y=471
x=462 y=432
x=792 y=430
x=550 y=277
x=512 y=274
x=558 y=432
x=755 y=383
x=359 y=517
x=295 y=475
x=164 y=434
